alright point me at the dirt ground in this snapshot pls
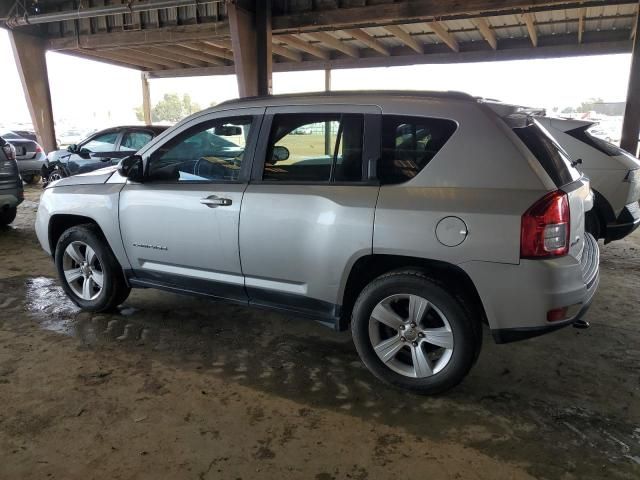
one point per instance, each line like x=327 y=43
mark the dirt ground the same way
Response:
x=175 y=387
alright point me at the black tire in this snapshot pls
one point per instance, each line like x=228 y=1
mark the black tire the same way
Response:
x=114 y=290
x=8 y=215
x=467 y=337
x=593 y=224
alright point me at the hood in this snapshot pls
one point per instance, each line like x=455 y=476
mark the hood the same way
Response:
x=90 y=178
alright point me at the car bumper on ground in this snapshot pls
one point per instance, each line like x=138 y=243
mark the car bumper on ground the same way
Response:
x=518 y=299
x=11 y=196
x=627 y=222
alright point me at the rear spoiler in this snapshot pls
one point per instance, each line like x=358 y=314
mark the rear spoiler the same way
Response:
x=516 y=116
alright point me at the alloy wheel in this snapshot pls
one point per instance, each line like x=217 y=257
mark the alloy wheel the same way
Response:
x=82 y=270
x=411 y=335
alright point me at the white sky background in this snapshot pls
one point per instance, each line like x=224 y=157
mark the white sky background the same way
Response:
x=92 y=94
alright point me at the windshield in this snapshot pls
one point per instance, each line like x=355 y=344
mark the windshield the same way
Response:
x=10 y=135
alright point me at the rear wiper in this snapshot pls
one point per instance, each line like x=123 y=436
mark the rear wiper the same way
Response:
x=577 y=162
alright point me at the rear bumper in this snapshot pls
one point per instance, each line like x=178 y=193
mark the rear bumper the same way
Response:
x=627 y=222
x=11 y=194
x=517 y=298
x=31 y=167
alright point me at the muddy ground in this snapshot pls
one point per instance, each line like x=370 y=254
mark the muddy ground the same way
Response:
x=175 y=387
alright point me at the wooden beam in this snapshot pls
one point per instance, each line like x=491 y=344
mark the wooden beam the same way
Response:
x=29 y=54
x=132 y=58
x=486 y=31
x=332 y=42
x=251 y=40
x=404 y=37
x=286 y=52
x=166 y=54
x=368 y=40
x=193 y=54
x=581 y=14
x=529 y=21
x=144 y=37
x=444 y=35
x=558 y=46
x=369 y=15
x=87 y=56
x=146 y=99
x=633 y=29
x=212 y=49
x=302 y=45
x=631 y=122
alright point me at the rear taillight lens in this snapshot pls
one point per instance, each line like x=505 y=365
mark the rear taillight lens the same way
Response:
x=545 y=227
x=38 y=149
x=9 y=151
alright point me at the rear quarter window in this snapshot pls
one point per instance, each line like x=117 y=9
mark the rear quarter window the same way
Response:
x=551 y=156
x=599 y=144
x=409 y=144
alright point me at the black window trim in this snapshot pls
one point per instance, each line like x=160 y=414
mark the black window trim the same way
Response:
x=250 y=149
x=370 y=149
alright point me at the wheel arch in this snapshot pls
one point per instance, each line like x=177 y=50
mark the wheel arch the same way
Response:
x=61 y=222
x=368 y=267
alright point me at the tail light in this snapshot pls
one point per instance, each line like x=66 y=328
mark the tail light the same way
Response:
x=10 y=151
x=545 y=227
x=38 y=148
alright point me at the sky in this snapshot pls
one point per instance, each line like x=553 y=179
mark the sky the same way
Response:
x=87 y=93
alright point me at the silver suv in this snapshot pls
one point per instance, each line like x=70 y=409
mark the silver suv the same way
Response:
x=412 y=218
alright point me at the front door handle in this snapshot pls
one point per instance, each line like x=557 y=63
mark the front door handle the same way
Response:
x=212 y=201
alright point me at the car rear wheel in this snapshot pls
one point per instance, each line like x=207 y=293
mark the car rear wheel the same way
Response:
x=413 y=334
x=88 y=270
x=8 y=215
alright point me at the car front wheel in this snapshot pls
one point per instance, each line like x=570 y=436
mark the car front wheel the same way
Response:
x=88 y=270
x=413 y=334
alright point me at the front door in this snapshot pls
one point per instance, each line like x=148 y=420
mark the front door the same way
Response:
x=308 y=213
x=180 y=225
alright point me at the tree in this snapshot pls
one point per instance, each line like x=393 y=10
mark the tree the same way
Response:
x=589 y=105
x=171 y=108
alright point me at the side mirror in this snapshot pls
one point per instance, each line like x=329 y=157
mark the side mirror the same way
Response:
x=73 y=148
x=280 y=153
x=132 y=167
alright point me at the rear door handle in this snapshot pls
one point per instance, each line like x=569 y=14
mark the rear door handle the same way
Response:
x=213 y=201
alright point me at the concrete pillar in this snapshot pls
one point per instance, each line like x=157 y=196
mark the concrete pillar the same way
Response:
x=251 y=43
x=631 y=124
x=146 y=98
x=29 y=54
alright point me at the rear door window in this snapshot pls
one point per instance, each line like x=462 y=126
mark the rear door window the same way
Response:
x=409 y=144
x=583 y=134
x=551 y=156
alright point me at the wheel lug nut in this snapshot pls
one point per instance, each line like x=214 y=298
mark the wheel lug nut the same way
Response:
x=421 y=335
x=402 y=339
x=413 y=325
x=402 y=327
x=415 y=344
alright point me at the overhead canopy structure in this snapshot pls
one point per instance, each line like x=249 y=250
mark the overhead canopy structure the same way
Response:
x=170 y=38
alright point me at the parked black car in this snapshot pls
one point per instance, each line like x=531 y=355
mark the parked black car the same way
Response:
x=99 y=150
x=11 y=190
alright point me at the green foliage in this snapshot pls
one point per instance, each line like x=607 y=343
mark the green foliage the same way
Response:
x=171 y=108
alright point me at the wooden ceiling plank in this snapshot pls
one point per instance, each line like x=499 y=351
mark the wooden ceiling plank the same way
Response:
x=299 y=44
x=369 y=40
x=214 y=50
x=530 y=22
x=334 y=43
x=194 y=53
x=404 y=37
x=156 y=58
x=443 y=34
x=487 y=32
x=286 y=53
x=161 y=52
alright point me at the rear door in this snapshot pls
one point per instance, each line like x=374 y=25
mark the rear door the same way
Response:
x=308 y=212
x=132 y=141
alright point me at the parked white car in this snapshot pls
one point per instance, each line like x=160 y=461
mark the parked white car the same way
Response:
x=614 y=175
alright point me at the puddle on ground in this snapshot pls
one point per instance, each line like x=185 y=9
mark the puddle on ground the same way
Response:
x=305 y=362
